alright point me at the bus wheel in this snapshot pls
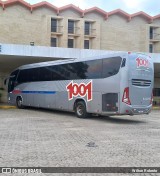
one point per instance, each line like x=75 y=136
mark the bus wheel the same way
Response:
x=19 y=103
x=80 y=109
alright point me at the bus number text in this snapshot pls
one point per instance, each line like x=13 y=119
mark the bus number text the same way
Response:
x=81 y=90
x=142 y=62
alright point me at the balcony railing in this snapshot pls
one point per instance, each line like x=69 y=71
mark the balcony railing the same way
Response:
x=155 y=37
x=90 y=32
x=74 y=30
x=57 y=29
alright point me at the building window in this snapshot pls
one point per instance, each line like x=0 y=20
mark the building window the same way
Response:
x=151 y=48
x=54 y=42
x=70 y=43
x=87 y=28
x=53 y=25
x=151 y=32
x=70 y=27
x=86 y=44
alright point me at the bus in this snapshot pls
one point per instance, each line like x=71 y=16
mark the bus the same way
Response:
x=113 y=84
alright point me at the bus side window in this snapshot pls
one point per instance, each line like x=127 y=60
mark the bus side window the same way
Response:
x=123 y=62
x=45 y=74
x=94 y=69
x=23 y=76
x=111 y=66
x=33 y=74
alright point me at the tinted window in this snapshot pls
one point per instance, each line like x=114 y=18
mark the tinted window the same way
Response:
x=45 y=74
x=111 y=66
x=28 y=75
x=14 y=74
x=69 y=71
x=59 y=72
x=23 y=76
x=94 y=69
x=78 y=70
x=33 y=74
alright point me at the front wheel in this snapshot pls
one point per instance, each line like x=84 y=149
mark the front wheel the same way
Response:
x=80 y=110
x=19 y=103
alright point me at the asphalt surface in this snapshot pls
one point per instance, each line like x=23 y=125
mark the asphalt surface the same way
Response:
x=46 y=138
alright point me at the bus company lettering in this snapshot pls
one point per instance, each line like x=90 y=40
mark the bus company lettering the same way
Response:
x=81 y=90
x=142 y=62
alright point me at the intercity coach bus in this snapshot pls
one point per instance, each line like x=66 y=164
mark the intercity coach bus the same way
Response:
x=113 y=84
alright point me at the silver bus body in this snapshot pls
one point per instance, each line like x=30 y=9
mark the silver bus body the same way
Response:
x=125 y=89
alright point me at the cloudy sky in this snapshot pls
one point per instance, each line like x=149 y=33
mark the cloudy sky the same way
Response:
x=152 y=7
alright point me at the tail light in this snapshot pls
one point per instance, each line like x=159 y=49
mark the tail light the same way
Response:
x=151 y=101
x=125 y=98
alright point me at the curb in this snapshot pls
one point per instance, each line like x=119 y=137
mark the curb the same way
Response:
x=7 y=107
x=155 y=108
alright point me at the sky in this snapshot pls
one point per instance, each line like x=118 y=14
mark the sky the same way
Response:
x=152 y=7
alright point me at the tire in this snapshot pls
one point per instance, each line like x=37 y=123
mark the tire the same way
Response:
x=19 y=103
x=80 y=110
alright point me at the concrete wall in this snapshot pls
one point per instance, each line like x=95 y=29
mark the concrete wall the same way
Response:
x=120 y=34
x=3 y=88
x=21 y=26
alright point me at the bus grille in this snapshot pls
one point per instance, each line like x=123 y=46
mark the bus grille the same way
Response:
x=141 y=82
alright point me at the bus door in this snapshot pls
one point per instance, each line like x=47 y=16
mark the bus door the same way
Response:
x=12 y=83
x=139 y=91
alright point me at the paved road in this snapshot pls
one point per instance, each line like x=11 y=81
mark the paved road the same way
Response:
x=50 y=138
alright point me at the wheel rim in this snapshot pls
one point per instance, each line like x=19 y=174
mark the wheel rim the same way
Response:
x=19 y=103
x=80 y=110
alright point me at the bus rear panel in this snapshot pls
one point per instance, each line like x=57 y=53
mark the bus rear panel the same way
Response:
x=137 y=95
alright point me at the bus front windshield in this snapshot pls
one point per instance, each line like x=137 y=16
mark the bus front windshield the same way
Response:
x=12 y=80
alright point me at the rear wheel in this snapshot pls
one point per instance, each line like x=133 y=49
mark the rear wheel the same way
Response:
x=80 y=110
x=19 y=103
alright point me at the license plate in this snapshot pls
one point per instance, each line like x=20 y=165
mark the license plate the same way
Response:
x=140 y=111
